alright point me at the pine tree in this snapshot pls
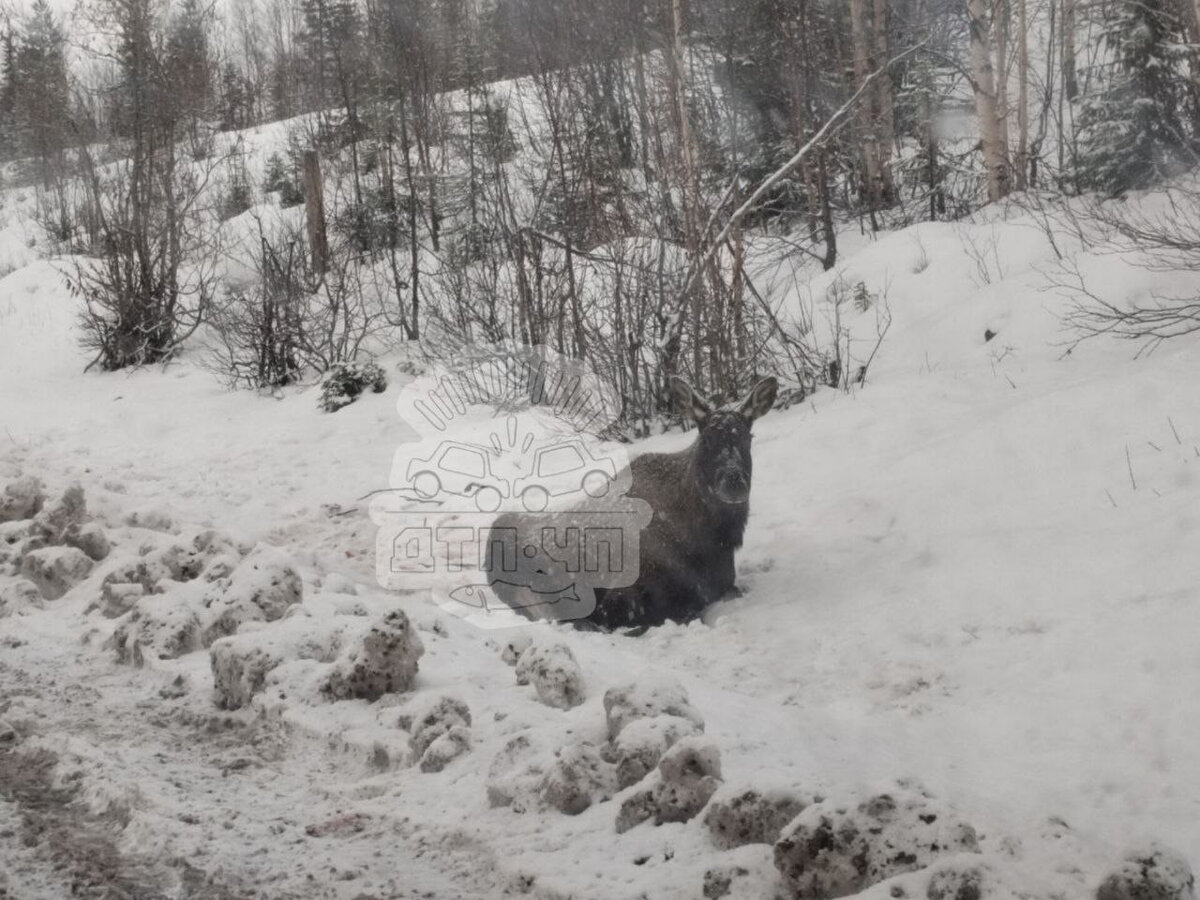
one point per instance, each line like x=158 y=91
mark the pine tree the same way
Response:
x=1131 y=134
x=8 y=89
x=235 y=99
x=40 y=92
x=329 y=49
x=190 y=64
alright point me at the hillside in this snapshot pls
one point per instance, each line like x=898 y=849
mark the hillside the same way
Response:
x=974 y=575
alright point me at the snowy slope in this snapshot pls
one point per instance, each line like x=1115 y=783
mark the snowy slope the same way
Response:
x=978 y=572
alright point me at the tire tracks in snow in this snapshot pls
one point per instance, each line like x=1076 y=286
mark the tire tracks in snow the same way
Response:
x=107 y=795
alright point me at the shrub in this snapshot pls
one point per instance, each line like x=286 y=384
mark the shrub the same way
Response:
x=345 y=382
x=238 y=198
x=282 y=178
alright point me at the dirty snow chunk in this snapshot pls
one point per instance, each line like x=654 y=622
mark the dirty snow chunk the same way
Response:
x=351 y=608
x=240 y=663
x=183 y=563
x=650 y=697
x=19 y=597
x=578 y=777
x=554 y=674
x=956 y=881
x=187 y=562
x=268 y=580
x=1150 y=873
x=833 y=851
x=55 y=570
x=688 y=775
x=432 y=720
x=735 y=818
x=446 y=748
x=635 y=809
x=159 y=626
x=384 y=663
x=22 y=499
x=221 y=567
x=691 y=773
x=151 y=518
x=642 y=743
x=517 y=644
x=91 y=539
x=117 y=598
x=260 y=589
x=14 y=537
x=62 y=518
x=146 y=572
x=239 y=669
x=516 y=774
x=744 y=874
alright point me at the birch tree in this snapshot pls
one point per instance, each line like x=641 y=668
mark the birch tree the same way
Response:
x=987 y=108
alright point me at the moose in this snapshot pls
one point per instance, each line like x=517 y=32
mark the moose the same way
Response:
x=700 y=502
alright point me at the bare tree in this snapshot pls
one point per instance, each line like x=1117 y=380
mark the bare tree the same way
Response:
x=153 y=274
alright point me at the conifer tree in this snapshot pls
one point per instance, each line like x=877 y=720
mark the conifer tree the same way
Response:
x=1131 y=134
x=38 y=89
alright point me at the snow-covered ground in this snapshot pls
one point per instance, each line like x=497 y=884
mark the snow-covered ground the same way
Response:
x=977 y=575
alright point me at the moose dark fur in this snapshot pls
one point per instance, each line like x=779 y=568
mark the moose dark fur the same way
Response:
x=700 y=502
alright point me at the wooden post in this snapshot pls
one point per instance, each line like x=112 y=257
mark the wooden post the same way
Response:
x=314 y=208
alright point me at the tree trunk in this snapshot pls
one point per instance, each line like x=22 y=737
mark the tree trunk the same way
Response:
x=690 y=183
x=1191 y=20
x=1002 y=27
x=314 y=209
x=866 y=113
x=928 y=134
x=885 y=115
x=1021 y=164
x=1070 y=78
x=995 y=153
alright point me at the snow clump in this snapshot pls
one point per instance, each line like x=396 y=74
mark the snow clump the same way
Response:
x=834 y=851
x=385 y=662
x=554 y=674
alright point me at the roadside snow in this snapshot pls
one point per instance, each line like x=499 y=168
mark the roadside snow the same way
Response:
x=977 y=574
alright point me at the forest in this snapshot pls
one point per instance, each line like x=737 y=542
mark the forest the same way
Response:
x=631 y=183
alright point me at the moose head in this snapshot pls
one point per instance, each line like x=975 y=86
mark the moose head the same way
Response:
x=721 y=455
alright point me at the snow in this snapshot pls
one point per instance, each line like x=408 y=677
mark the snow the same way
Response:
x=977 y=572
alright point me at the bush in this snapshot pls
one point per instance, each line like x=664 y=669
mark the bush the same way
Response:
x=264 y=332
x=282 y=178
x=238 y=198
x=369 y=225
x=345 y=382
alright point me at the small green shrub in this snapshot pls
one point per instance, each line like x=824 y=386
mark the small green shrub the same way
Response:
x=238 y=198
x=345 y=382
x=281 y=176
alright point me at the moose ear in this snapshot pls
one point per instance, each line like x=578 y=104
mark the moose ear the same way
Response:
x=760 y=399
x=689 y=401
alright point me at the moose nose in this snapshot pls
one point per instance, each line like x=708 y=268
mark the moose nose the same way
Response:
x=734 y=483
